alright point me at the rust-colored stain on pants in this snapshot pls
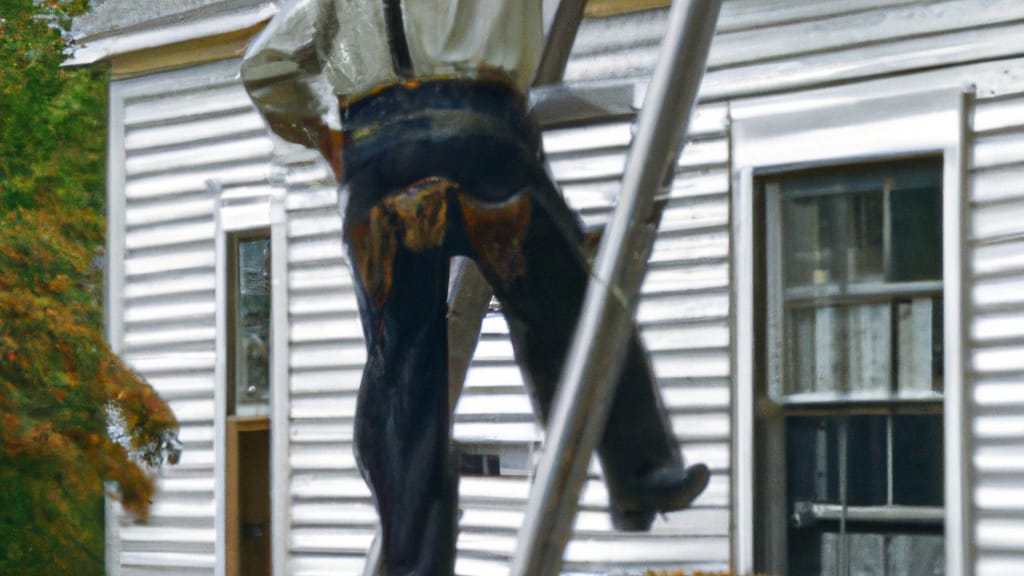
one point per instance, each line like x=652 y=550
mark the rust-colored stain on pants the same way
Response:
x=415 y=218
x=497 y=232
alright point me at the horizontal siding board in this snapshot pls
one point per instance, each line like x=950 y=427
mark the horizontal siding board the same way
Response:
x=324 y=328
x=193 y=131
x=194 y=181
x=179 y=338
x=989 y=391
x=313 y=565
x=331 y=380
x=997 y=326
x=330 y=541
x=996 y=185
x=998 y=459
x=170 y=311
x=325 y=277
x=998 y=114
x=315 y=251
x=308 y=486
x=998 y=292
x=180 y=261
x=998 y=150
x=170 y=235
x=210 y=101
x=177 y=284
x=998 y=259
x=310 y=457
x=999 y=221
x=637 y=553
x=319 y=513
x=226 y=152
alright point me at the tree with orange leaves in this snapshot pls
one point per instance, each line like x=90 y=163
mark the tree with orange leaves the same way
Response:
x=72 y=416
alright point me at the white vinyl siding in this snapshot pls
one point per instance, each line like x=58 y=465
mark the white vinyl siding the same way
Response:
x=995 y=250
x=174 y=132
x=332 y=518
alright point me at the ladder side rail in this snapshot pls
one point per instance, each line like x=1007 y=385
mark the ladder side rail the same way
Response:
x=582 y=401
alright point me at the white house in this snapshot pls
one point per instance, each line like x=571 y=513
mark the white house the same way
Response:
x=834 y=306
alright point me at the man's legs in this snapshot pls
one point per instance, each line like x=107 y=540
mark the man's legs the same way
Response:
x=402 y=416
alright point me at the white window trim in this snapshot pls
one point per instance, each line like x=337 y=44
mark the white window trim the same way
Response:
x=269 y=214
x=811 y=129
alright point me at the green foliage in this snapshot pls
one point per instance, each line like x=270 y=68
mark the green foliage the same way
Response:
x=59 y=381
x=52 y=121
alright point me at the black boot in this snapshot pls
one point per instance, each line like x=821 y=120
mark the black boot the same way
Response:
x=665 y=489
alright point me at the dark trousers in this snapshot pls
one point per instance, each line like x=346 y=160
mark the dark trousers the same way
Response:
x=454 y=168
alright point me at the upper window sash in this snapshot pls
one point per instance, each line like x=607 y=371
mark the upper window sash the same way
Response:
x=844 y=324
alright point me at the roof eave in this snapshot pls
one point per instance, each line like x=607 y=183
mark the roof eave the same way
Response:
x=97 y=48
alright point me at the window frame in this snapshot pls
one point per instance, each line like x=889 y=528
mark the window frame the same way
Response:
x=784 y=134
x=231 y=219
x=842 y=408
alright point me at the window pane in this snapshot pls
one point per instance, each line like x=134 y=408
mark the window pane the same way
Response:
x=892 y=555
x=917 y=460
x=838 y=349
x=480 y=465
x=833 y=239
x=919 y=351
x=807 y=227
x=916 y=555
x=916 y=234
x=812 y=460
x=252 y=323
x=867 y=464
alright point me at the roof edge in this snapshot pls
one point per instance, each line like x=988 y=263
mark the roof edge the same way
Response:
x=174 y=29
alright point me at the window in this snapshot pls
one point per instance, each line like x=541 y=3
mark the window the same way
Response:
x=248 y=527
x=249 y=324
x=491 y=460
x=851 y=457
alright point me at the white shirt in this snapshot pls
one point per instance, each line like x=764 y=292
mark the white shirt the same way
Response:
x=316 y=51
